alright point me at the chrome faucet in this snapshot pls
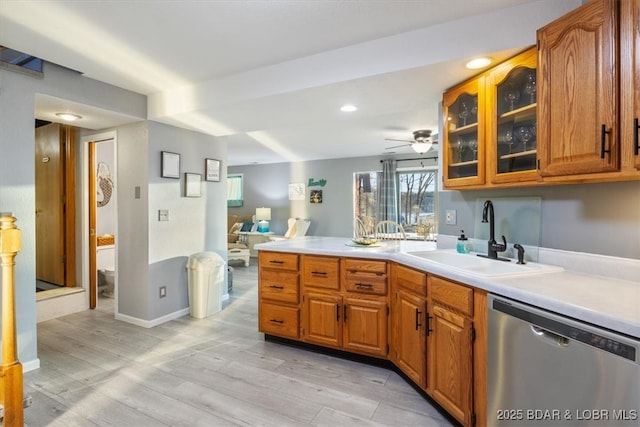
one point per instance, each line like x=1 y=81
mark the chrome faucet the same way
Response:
x=493 y=246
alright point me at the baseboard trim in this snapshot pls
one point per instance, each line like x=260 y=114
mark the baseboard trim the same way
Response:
x=31 y=365
x=151 y=323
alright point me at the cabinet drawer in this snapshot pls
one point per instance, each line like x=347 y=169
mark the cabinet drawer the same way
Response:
x=372 y=266
x=367 y=283
x=279 y=285
x=321 y=272
x=279 y=320
x=409 y=279
x=451 y=294
x=279 y=260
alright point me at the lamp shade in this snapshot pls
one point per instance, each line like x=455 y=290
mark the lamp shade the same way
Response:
x=263 y=214
x=421 y=147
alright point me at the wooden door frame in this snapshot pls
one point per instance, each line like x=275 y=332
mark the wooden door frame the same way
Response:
x=93 y=238
x=68 y=142
x=89 y=239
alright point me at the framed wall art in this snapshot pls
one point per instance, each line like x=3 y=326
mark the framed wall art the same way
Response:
x=170 y=165
x=212 y=170
x=192 y=184
x=296 y=191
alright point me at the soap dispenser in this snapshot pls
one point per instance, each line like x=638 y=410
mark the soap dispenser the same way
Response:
x=463 y=246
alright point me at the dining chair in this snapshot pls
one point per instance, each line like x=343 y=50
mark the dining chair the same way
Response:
x=390 y=230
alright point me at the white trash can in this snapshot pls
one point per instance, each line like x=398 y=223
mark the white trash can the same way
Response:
x=205 y=271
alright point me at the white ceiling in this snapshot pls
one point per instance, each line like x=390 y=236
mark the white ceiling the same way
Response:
x=267 y=77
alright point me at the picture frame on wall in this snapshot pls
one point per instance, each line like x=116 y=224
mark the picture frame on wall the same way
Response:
x=192 y=187
x=212 y=170
x=170 y=165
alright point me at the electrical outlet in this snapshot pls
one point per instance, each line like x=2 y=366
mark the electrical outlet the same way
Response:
x=450 y=217
x=163 y=291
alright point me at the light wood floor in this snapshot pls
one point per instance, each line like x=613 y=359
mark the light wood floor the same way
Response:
x=217 y=371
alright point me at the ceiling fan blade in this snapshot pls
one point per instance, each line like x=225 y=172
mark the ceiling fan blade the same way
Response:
x=397 y=146
x=400 y=140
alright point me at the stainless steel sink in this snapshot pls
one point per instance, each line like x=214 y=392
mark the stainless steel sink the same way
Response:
x=472 y=264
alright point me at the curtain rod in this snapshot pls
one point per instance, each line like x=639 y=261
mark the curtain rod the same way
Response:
x=415 y=158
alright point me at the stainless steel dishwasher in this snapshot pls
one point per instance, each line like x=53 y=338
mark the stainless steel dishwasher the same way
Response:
x=549 y=370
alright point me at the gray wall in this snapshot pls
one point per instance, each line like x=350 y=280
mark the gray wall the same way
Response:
x=599 y=218
x=268 y=185
x=17 y=170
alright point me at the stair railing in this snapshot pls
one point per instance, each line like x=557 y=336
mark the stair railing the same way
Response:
x=11 y=387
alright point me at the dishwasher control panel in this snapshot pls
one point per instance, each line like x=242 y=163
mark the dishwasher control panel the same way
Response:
x=600 y=341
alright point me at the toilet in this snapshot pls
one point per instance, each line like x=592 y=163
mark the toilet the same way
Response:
x=105 y=263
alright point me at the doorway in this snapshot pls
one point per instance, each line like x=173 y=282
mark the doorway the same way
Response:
x=102 y=218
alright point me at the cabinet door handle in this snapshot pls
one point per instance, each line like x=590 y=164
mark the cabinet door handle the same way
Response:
x=603 y=136
x=418 y=324
x=344 y=317
x=275 y=261
x=636 y=140
x=429 y=323
x=278 y=321
x=364 y=285
x=319 y=273
x=276 y=287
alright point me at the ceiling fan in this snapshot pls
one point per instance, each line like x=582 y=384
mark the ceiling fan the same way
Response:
x=422 y=141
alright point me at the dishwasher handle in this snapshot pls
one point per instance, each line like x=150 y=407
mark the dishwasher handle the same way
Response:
x=549 y=336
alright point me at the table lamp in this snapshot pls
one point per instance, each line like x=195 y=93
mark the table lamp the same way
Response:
x=263 y=215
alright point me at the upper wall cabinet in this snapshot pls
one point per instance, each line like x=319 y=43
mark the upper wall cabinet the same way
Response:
x=630 y=81
x=589 y=87
x=490 y=124
x=464 y=138
x=511 y=120
x=578 y=106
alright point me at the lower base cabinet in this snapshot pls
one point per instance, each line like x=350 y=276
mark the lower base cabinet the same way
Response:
x=352 y=324
x=410 y=348
x=432 y=329
x=450 y=362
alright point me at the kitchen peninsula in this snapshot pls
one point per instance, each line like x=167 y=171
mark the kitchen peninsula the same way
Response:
x=428 y=314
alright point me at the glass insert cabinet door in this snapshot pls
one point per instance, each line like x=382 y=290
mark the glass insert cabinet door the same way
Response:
x=517 y=121
x=512 y=126
x=464 y=136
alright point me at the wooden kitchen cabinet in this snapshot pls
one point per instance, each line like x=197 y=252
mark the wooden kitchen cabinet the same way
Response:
x=409 y=320
x=434 y=330
x=464 y=136
x=630 y=81
x=278 y=294
x=450 y=343
x=578 y=92
x=344 y=304
x=511 y=120
x=493 y=143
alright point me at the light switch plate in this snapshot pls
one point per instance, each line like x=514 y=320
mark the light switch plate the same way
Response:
x=450 y=217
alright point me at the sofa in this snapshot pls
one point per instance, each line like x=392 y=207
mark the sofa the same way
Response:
x=236 y=249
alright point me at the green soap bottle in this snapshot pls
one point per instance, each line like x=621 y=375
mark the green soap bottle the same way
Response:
x=463 y=246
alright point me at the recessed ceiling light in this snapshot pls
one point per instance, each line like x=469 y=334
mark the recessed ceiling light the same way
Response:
x=476 y=63
x=70 y=117
x=348 y=108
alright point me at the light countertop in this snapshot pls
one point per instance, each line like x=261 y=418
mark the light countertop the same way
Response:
x=602 y=301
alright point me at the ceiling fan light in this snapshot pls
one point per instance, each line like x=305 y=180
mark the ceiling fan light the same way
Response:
x=421 y=147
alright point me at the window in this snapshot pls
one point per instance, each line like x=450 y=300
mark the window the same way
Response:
x=417 y=199
x=234 y=190
x=18 y=61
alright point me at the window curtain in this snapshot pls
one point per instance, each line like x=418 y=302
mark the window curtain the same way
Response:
x=387 y=192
